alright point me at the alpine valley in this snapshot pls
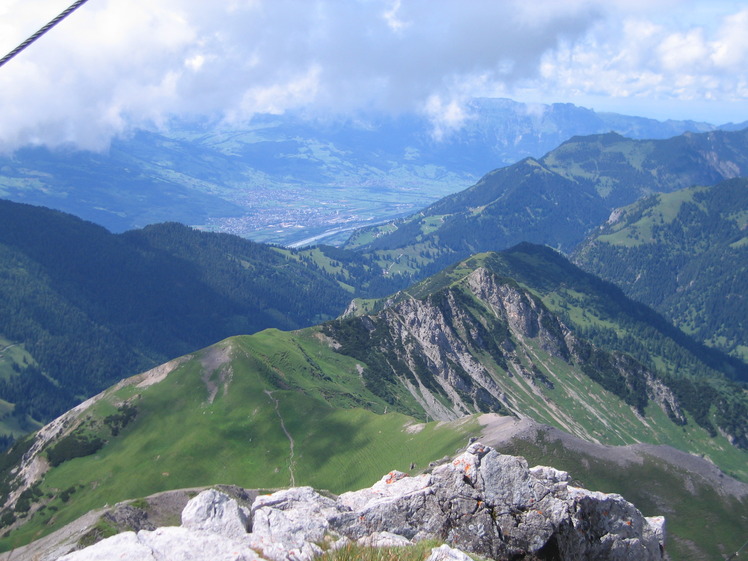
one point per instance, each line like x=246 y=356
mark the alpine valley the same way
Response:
x=287 y=178
x=182 y=359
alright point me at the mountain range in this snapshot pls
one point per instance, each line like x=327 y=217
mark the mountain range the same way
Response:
x=555 y=200
x=332 y=404
x=404 y=339
x=578 y=190
x=286 y=178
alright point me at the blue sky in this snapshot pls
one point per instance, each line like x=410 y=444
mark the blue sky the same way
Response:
x=119 y=64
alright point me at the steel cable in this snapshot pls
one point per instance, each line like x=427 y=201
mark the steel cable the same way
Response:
x=42 y=31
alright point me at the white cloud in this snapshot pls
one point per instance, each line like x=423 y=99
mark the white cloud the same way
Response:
x=684 y=52
x=116 y=64
x=392 y=19
x=274 y=99
x=645 y=59
x=730 y=49
x=446 y=117
x=113 y=65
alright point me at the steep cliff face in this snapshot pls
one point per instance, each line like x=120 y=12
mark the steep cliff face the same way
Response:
x=485 y=344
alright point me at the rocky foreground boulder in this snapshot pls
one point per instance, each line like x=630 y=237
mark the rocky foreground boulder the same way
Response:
x=482 y=502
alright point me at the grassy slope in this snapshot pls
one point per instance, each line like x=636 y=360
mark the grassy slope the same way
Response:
x=239 y=438
x=236 y=439
x=342 y=439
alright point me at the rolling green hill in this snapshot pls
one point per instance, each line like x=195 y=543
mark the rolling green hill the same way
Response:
x=684 y=254
x=81 y=308
x=259 y=411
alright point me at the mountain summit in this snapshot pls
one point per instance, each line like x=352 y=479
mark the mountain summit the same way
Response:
x=482 y=502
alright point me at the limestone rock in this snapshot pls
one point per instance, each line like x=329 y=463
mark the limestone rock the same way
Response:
x=384 y=539
x=291 y=522
x=124 y=547
x=172 y=543
x=213 y=511
x=481 y=502
x=446 y=553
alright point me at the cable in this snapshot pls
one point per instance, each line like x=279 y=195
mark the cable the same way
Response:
x=42 y=31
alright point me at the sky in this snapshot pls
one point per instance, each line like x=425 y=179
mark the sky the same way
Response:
x=115 y=65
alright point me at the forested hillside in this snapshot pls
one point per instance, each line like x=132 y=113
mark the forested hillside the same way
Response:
x=554 y=200
x=686 y=255
x=81 y=308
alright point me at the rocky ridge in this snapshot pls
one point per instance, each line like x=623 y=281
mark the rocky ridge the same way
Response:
x=481 y=502
x=487 y=345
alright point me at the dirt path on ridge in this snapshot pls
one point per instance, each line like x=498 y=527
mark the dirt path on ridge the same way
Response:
x=291 y=460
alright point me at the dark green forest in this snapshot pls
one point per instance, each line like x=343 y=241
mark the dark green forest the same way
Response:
x=92 y=307
x=684 y=254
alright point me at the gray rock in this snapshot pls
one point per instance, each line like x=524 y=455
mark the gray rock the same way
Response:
x=172 y=543
x=550 y=474
x=183 y=544
x=494 y=505
x=446 y=553
x=481 y=502
x=124 y=547
x=657 y=526
x=397 y=503
x=126 y=517
x=213 y=511
x=289 y=523
x=384 y=539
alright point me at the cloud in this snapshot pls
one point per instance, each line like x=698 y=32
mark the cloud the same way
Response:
x=643 y=59
x=729 y=51
x=115 y=65
x=391 y=17
x=445 y=117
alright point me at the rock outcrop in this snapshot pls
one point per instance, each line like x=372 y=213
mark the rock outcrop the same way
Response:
x=482 y=502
